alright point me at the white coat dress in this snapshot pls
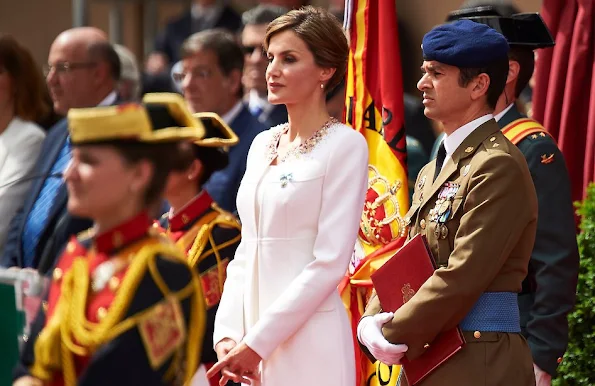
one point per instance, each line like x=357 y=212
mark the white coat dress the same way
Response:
x=300 y=220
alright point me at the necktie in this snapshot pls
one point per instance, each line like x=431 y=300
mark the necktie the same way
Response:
x=440 y=157
x=38 y=217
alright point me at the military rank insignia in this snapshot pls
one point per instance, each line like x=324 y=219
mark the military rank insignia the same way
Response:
x=162 y=330
x=443 y=208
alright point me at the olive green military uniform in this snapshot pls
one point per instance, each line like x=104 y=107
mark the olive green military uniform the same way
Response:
x=479 y=217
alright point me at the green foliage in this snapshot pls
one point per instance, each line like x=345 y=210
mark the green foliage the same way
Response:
x=578 y=366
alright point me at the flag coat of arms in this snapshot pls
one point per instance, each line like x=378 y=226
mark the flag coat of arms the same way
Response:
x=374 y=107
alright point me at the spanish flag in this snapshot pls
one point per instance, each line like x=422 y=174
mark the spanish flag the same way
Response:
x=374 y=106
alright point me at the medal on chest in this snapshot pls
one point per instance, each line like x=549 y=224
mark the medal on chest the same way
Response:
x=443 y=207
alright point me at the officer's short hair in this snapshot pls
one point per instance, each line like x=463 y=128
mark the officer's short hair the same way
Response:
x=262 y=14
x=497 y=71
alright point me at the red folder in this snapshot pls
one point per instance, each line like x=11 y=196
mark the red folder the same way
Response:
x=395 y=283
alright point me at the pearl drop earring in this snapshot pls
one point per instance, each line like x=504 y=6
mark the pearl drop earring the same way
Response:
x=322 y=85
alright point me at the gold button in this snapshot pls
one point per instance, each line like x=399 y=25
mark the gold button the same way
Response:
x=477 y=334
x=560 y=360
x=70 y=247
x=101 y=313
x=57 y=275
x=114 y=283
x=185 y=218
x=422 y=223
x=492 y=139
x=469 y=149
x=427 y=345
x=155 y=225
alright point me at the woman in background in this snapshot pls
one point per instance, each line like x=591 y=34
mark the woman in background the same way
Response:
x=207 y=234
x=281 y=320
x=23 y=101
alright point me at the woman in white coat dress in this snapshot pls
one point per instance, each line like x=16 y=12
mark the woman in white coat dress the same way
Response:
x=281 y=321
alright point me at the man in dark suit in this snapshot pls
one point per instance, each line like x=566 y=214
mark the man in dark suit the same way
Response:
x=549 y=290
x=82 y=71
x=255 y=22
x=203 y=15
x=212 y=65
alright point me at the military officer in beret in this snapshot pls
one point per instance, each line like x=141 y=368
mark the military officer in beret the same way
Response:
x=208 y=234
x=476 y=205
x=124 y=306
x=549 y=290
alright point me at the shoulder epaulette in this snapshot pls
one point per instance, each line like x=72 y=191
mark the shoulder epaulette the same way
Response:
x=521 y=128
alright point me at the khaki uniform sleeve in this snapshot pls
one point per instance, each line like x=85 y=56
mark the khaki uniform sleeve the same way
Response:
x=498 y=208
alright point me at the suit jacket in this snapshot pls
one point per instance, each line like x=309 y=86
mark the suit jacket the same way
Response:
x=280 y=296
x=277 y=116
x=549 y=290
x=224 y=184
x=484 y=245
x=19 y=150
x=171 y=40
x=60 y=225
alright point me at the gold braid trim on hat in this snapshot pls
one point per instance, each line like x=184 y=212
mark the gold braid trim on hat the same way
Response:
x=70 y=333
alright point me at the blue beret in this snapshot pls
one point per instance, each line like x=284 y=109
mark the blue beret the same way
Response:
x=464 y=43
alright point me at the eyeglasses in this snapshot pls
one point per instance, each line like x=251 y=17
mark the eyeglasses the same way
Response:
x=200 y=73
x=249 y=50
x=66 y=67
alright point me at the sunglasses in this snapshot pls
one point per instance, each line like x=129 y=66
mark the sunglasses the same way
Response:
x=249 y=50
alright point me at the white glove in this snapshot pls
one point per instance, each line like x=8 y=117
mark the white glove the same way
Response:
x=369 y=332
x=541 y=377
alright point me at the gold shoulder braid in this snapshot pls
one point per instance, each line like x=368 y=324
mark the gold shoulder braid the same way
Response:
x=70 y=333
x=221 y=218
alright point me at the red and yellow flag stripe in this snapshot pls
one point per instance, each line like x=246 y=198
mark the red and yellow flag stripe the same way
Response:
x=374 y=107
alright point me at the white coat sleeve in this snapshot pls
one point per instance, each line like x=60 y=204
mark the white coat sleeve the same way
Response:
x=343 y=195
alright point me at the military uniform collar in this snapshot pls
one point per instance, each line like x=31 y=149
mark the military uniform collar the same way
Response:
x=502 y=113
x=512 y=114
x=188 y=214
x=466 y=148
x=453 y=141
x=129 y=231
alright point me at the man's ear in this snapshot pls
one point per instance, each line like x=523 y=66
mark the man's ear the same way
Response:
x=480 y=86
x=513 y=71
x=102 y=72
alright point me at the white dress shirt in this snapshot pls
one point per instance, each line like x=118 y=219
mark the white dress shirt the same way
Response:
x=454 y=140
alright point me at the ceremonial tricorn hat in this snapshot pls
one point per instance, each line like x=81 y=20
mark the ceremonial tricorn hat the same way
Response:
x=212 y=149
x=520 y=30
x=162 y=117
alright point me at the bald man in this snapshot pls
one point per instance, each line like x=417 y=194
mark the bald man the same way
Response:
x=82 y=71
